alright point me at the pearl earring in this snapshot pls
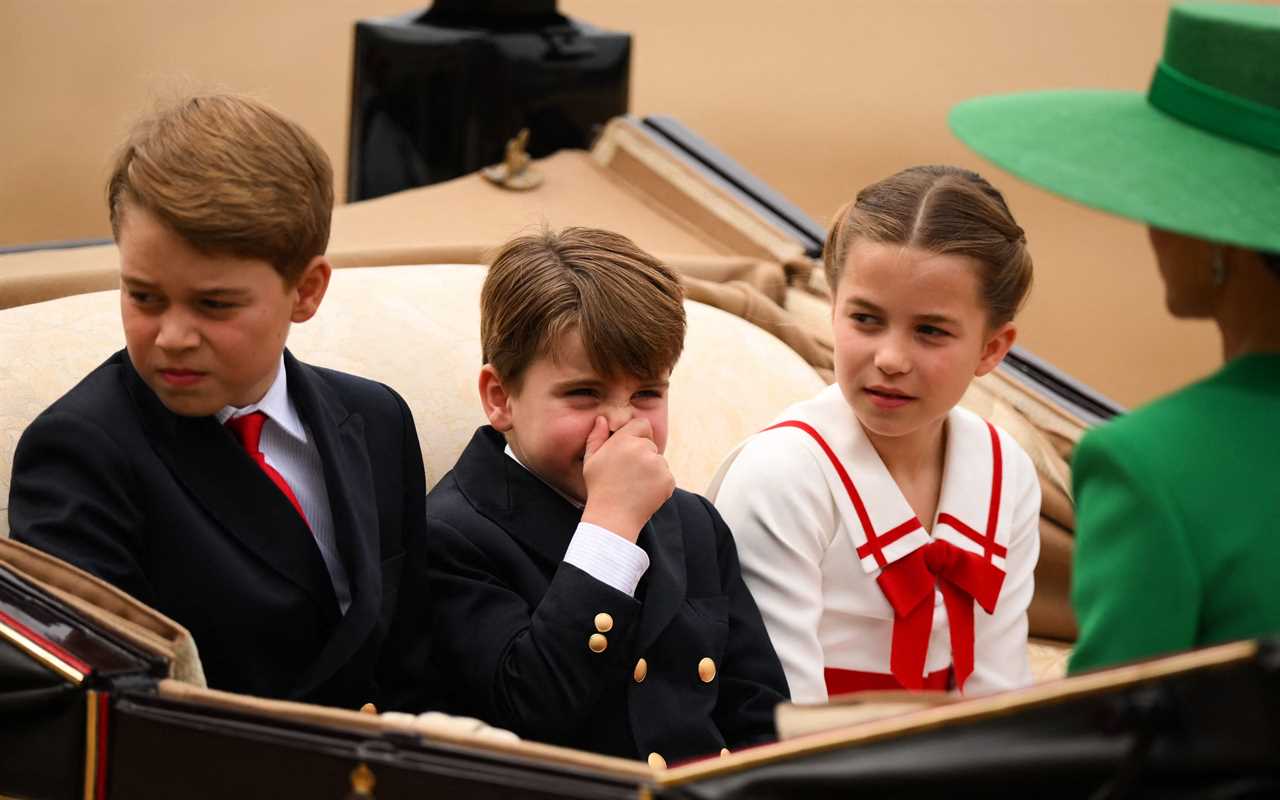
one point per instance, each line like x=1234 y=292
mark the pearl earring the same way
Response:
x=1218 y=269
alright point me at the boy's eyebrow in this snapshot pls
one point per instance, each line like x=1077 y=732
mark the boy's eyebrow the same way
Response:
x=224 y=290
x=142 y=283
x=580 y=380
x=867 y=304
x=594 y=381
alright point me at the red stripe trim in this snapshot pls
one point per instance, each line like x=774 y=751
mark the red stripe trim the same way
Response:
x=889 y=537
x=999 y=549
x=874 y=545
x=846 y=681
x=100 y=784
x=988 y=540
x=61 y=654
x=997 y=478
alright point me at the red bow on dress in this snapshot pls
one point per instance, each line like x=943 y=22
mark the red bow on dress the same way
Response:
x=908 y=583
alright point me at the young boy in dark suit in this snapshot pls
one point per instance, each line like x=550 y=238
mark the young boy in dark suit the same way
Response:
x=273 y=508
x=578 y=597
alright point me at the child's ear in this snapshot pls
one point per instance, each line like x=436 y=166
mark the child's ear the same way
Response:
x=495 y=398
x=996 y=347
x=310 y=289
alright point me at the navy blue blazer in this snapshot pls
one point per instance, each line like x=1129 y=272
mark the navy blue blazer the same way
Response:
x=514 y=623
x=172 y=510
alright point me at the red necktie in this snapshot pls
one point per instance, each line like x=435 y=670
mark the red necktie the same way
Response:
x=248 y=429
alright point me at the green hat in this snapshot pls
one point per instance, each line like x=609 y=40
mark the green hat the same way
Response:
x=1198 y=155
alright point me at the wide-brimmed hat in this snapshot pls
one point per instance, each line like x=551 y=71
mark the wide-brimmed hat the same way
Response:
x=1199 y=154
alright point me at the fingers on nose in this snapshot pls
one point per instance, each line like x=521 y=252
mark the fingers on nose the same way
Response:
x=619 y=417
x=638 y=426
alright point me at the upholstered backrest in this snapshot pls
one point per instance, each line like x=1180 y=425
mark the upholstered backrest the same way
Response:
x=417 y=329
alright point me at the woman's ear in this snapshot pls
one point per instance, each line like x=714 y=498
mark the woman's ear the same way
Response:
x=996 y=348
x=495 y=399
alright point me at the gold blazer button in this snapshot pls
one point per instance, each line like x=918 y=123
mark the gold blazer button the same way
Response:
x=604 y=622
x=597 y=643
x=707 y=670
x=642 y=671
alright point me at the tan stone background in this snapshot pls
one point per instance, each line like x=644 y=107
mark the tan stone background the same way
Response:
x=818 y=97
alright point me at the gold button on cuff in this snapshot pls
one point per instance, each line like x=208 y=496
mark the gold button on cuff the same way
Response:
x=642 y=671
x=597 y=643
x=604 y=622
x=724 y=751
x=656 y=761
x=707 y=670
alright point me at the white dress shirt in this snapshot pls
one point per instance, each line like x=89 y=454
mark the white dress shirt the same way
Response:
x=599 y=552
x=287 y=446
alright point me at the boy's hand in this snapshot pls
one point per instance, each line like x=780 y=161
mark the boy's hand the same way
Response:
x=627 y=478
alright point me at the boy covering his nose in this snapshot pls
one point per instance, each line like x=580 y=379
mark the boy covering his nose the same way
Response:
x=272 y=508
x=579 y=598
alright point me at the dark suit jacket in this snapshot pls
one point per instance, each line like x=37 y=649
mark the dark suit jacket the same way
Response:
x=173 y=511
x=512 y=621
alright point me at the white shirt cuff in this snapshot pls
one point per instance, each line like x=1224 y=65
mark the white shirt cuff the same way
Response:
x=607 y=557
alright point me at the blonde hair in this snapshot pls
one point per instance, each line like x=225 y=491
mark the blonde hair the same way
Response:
x=231 y=176
x=625 y=304
x=944 y=210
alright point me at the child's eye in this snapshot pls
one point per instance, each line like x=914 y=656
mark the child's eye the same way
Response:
x=864 y=319
x=649 y=394
x=932 y=331
x=581 y=392
x=210 y=304
x=147 y=302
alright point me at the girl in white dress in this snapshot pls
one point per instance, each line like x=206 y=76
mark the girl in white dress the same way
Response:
x=888 y=535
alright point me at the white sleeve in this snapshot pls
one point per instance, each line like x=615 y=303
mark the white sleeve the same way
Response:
x=1000 y=639
x=607 y=557
x=775 y=500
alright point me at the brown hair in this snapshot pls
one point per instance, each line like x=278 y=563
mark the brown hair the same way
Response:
x=231 y=176
x=944 y=210
x=623 y=302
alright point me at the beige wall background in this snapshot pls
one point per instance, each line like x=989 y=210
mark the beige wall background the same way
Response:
x=818 y=97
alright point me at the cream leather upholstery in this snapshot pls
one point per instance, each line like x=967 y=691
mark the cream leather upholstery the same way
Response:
x=417 y=329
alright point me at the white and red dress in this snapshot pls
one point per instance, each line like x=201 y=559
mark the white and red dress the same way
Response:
x=855 y=592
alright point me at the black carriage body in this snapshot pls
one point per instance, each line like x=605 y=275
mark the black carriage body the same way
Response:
x=436 y=94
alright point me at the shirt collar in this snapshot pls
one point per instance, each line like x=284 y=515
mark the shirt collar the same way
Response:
x=275 y=404
x=512 y=455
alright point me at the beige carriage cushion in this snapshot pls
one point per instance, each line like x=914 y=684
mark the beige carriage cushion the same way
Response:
x=418 y=330
x=45 y=349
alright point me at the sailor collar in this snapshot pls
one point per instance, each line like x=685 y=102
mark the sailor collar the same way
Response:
x=882 y=524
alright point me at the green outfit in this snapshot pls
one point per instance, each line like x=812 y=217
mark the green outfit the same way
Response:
x=1178 y=520
x=1177 y=504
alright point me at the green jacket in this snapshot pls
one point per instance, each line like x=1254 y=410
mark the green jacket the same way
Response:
x=1178 y=520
